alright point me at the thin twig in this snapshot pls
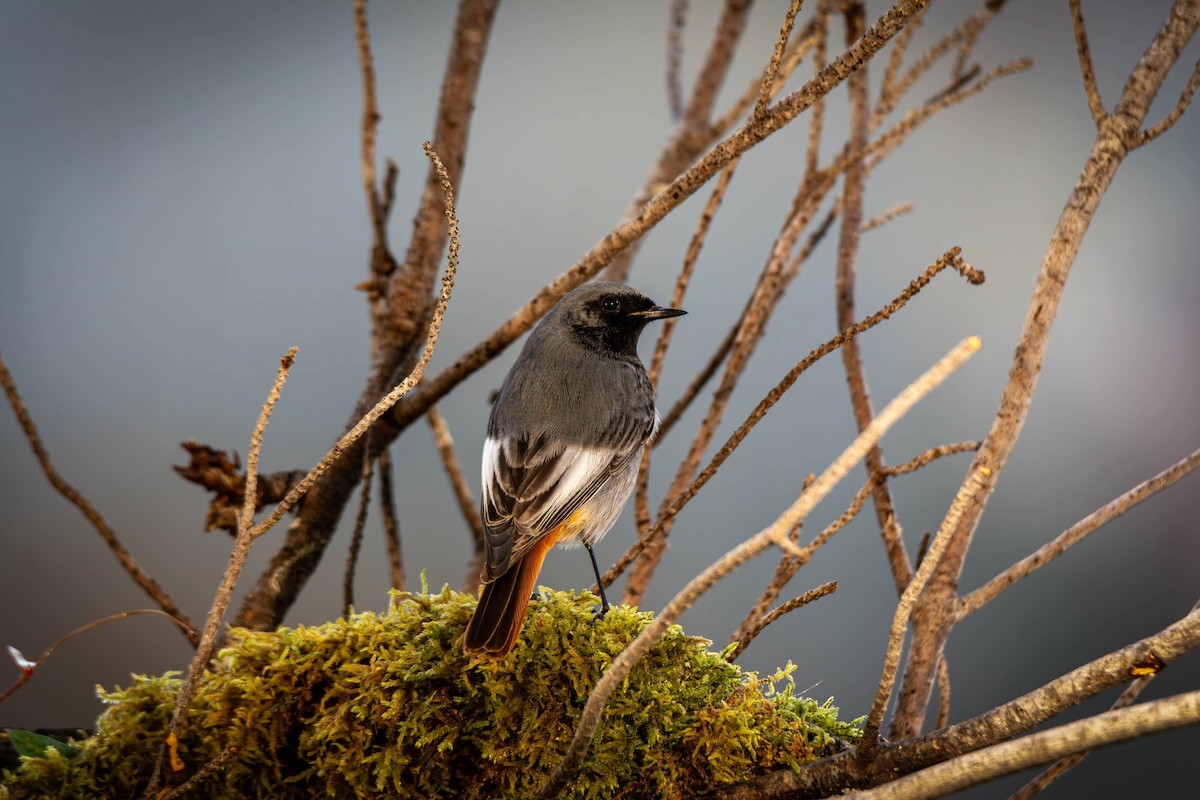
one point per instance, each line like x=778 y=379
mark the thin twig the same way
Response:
x=970 y=29
x=695 y=246
x=75 y=498
x=203 y=773
x=785 y=33
x=889 y=96
x=764 y=298
x=1085 y=64
x=776 y=533
x=662 y=203
x=792 y=56
x=360 y=523
x=886 y=216
x=762 y=622
x=943 y=692
x=891 y=663
x=402 y=388
x=467 y=504
x=1075 y=534
x=847 y=256
x=675 y=31
x=693 y=132
x=816 y=122
x=237 y=560
x=383 y=264
x=887 y=142
x=789 y=565
x=28 y=668
x=1185 y=98
x=950 y=258
x=391 y=527
x=723 y=349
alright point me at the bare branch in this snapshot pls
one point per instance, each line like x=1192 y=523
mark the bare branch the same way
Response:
x=785 y=33
x=401 y=389
x=792 y=56
x=816 y=123
x=776 y=533
x=360 y=523
x=467 y=504
x=237 y=560
x=391 y=527
x=410 y=286
x=1038 y=748
x=692 y=131
x=383 y=263
x=202 y=774
x=723 y=349
x=937 y=609
x=1185 y=98
x=785 y=570
x=944 y=691
x=766 y=619
x=894 y=91
x=764 y=298
x=1075 y=534
x=950 y=258
x=882 y=146
x=1085 y=63
x=28 y=669
x=679 y=10
x=836 y=774
x=680 y=189
x=150 y=586
x=370 y=124
x=891 y=662
x=886 y=216
x=852 y=363
x=403 y=323
x=641 y=499
x=1063 y=765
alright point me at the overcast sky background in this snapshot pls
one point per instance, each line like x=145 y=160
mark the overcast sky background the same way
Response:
x=181 y=202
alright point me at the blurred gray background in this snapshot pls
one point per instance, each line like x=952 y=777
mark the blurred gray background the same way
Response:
x=182 y=202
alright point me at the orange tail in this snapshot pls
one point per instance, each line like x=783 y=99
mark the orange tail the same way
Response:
x=497 y=620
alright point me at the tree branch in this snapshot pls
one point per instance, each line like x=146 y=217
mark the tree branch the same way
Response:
x=72 y=495
x=776 y=533
x=400 y=322
x=1086 y=67
x=1038 y=748
x=1073 y=535
x=836 y=774
x=936 y=611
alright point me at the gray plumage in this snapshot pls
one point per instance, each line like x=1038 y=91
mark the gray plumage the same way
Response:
x=566 y=433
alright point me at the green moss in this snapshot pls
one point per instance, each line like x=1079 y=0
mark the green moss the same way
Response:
x=389 y=705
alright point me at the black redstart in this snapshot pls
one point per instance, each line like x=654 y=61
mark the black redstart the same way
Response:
x=563 y=445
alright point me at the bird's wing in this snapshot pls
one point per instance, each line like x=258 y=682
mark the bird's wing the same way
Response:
x=531 y=486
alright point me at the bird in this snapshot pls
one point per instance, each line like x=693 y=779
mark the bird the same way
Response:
x=564 y=440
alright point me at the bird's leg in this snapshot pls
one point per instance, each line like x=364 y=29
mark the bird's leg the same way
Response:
x=599 y=582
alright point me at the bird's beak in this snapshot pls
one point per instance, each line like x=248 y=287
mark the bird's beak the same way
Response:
x=658 y=313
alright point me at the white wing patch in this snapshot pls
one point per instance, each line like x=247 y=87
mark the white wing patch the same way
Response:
x=528 y=490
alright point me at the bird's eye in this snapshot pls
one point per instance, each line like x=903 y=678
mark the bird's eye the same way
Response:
x=611 y=304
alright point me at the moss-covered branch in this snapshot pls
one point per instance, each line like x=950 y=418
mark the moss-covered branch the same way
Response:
x=389 y=705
